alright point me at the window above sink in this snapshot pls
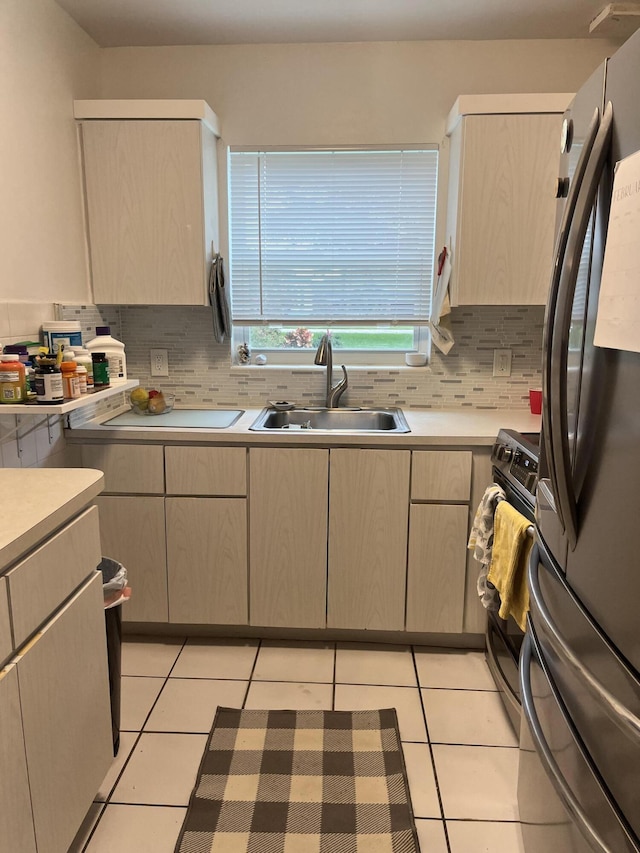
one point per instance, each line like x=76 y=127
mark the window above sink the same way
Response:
x=340 y=239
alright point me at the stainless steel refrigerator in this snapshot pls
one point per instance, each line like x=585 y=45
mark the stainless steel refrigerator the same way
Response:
x=579 y=779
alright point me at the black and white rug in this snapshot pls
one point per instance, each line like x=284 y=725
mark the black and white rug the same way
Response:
x=301 y=782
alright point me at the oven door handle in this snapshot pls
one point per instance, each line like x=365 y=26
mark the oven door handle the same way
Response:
x=547 y=759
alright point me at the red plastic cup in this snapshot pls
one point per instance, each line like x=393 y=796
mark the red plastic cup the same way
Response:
x=535 y=402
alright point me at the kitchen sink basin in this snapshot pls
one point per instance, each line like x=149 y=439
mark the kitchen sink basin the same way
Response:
x=351 y=420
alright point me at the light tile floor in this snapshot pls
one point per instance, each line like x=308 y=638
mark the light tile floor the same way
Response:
x=460 y=752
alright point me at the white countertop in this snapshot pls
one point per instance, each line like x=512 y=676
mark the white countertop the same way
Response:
x=39 y=500
x=428 y=427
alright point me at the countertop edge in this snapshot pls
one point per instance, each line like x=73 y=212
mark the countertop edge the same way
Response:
x=432 y=427
x=29 y=535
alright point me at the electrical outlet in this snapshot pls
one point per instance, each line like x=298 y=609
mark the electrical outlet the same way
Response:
x=502 y=362
x=159 y=362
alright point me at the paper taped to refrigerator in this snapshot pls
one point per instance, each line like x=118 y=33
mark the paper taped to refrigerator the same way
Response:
x=618 y=319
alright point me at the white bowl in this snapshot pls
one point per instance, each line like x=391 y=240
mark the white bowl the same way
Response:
x=415 y=359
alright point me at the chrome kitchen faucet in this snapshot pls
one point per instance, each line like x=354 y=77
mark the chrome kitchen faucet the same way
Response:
x=324 y=356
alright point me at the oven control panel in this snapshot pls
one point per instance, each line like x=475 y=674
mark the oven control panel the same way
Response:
x=525 y=470
x=511 y=456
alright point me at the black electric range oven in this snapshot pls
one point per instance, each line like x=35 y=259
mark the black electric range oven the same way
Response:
x=515 y=469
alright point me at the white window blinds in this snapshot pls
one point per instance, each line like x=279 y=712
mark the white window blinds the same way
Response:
x=332 y=237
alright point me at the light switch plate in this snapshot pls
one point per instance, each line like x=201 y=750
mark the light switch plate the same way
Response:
x=502 y=362
x=159 y=362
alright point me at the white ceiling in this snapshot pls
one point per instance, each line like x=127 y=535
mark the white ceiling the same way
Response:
x=113 y=23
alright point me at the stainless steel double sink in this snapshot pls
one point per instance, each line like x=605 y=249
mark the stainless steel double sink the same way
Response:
x=351 y=420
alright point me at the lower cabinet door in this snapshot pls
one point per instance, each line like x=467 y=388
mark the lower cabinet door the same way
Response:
x=66 y=715
x=368 y=515
x=288 y=490
x=207 y=560
x=132 y=531
x=16 y=819
x=437 y=567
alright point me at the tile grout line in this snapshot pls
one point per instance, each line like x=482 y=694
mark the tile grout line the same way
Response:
x=253 y=669
x=433 y=760
x=335 y=668
x=133 y=747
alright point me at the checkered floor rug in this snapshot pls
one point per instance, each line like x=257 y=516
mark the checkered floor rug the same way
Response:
x=301 y=782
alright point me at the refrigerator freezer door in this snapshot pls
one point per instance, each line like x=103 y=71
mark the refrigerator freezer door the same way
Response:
x=600 y=691
x=563 y=803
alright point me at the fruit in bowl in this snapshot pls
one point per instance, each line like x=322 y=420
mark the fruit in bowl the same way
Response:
x=150 y=402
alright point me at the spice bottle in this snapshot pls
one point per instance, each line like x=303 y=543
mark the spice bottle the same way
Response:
x=81 y=372
x=83 y=359
x=12 y=380
x=100 y=370
x=48 y=381
x=70 y=381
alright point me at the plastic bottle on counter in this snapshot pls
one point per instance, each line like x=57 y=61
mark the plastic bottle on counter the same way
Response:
x=13 y=387
x=112 y=349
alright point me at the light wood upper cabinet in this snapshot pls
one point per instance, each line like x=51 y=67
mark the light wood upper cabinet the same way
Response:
x=207 y=560
x=502 y=207
x=288 y=537
x=132 y=531
x=368 y=521
x=152 y=209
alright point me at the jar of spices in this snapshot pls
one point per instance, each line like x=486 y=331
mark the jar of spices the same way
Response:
x=100 y=370
x=12 y=379
x=70 y=381
x=48 y=381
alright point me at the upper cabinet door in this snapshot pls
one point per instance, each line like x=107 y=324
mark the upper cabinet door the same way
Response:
x=502 y=208
x=151 y=218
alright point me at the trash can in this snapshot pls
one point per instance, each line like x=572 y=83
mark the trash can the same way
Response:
x=115 y=590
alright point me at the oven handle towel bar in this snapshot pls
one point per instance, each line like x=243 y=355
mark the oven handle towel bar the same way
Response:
x=481 y=543
x=508 y=570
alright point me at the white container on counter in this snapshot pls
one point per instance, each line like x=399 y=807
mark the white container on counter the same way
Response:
x=113 y=350
x=65 y=332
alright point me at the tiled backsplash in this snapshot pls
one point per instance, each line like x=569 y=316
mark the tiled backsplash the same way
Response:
x=201 y=373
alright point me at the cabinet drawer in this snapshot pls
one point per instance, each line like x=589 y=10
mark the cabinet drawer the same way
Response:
x=6 y=646
x=220 y=471
x=441 y=475
x=52 y=572
x=135 y=469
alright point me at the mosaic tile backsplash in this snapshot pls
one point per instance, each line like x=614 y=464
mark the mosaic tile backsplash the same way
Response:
x=200 y=371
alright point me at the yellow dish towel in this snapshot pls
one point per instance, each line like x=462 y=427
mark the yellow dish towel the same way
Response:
x=508 y=569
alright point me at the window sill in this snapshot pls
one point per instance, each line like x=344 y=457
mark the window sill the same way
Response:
x=314 y=368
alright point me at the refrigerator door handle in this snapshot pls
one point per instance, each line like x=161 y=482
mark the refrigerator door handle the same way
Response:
x=565 y=492
x=623 y=718
x=546 y=756
x=561 y=246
